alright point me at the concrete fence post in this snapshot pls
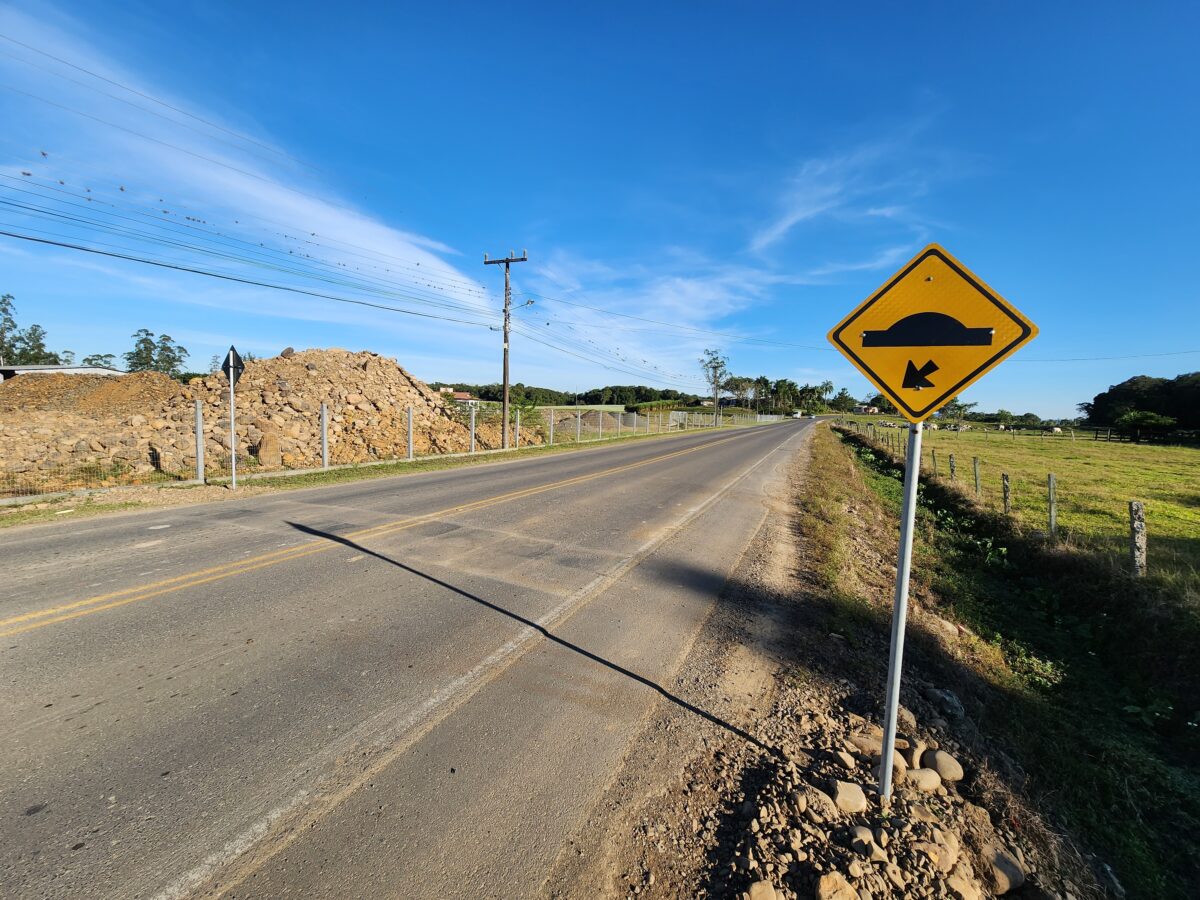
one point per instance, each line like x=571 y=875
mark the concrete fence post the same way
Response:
x=551 y=428
x=199 y=442
x=975 y=464
x=1006 y=488
x=953 y=469
x=620 y=416
x=1137 y=537
x=578 y=426
x=517 y=431
x=1052 y=497
x=324 y=436
x=410 y=433
x=472 y=429
x=935 y=468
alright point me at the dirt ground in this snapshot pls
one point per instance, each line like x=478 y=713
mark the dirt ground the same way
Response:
x=759 y=779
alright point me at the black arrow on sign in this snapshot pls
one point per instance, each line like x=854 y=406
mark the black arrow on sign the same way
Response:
x=919 y=378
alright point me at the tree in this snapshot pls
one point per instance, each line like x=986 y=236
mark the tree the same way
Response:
x=141 y=357
x=882 y=403
x=1004 y=417
x=155 y=354
x=8 y=328
x=67 y=357
x=762 y=390
x=843 y=402
x=740 y=387
x=103 y=360
x=825 y=388
x=1140 y=420
x=29 y=348
x=168 y=355
x=716 y=369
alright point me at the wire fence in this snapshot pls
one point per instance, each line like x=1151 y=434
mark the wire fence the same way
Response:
x=1116 y=497
x=132 y=458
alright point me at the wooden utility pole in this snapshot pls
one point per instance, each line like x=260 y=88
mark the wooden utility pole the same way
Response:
x=507 y=261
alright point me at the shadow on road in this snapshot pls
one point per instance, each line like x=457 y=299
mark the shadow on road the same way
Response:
x=541 y=629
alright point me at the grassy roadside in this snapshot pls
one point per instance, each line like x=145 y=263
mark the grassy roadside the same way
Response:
x=88 y=505
x=1079 y=680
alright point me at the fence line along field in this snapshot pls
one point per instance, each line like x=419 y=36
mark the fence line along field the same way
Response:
x=1094 y=482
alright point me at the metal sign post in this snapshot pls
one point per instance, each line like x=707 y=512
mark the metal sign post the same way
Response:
x=931 y=331
x=908 y=513
x=233 y=368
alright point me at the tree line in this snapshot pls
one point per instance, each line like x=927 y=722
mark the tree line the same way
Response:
x=1147 y=403
x=27 y=347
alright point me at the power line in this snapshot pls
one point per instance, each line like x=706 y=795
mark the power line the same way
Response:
x=153 y=99
x=234 y=278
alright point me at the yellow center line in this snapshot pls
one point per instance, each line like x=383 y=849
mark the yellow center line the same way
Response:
x=114 y=599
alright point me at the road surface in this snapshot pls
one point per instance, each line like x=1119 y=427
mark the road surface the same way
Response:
x=407 y=687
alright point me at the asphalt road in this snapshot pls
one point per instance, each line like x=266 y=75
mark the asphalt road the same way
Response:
x=406 y=687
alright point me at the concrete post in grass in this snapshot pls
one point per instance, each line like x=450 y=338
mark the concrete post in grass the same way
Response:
x=472 y=429
x=552 y=428
x=1006 y=488
x=935 y=468
x=199 y=442
x=975 y=463
x=1137 y=537
x=410 y=433
x=953 y=469
x=1052 y=496
x=517 y=431
x=324 y=436
x=600 y=419
x=578 y=426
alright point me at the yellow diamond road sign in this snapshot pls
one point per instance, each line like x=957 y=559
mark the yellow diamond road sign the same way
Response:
x=931 y=331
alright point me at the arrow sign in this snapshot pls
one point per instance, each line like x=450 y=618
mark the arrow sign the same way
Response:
x=915 y=378
x=933 y=302
x=233 y=366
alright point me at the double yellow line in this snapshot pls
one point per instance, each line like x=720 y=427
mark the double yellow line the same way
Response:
x=74 y=610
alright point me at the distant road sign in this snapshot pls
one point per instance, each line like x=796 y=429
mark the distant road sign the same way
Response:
x=930 y=332
x=233 y=366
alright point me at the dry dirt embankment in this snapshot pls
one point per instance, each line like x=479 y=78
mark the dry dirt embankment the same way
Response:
x=145 y=421
x=775 y=795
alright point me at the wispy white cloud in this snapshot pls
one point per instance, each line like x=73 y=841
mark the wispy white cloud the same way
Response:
x=142 y=174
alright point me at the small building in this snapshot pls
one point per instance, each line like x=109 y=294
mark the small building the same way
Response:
x=863 y=410
x=7 y=371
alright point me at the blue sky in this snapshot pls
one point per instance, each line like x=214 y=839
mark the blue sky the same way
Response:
x=754 y=169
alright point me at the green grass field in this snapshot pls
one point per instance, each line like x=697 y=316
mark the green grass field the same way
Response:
x=1095 y=482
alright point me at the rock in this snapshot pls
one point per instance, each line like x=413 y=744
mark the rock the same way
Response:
x=895 y=876
x=1007 y=872
x=269 y=452
x=899 y=767
x=821 y=803
x=961 y=883
x=946 y=701
x=288 y=352
x=834 y=886
x=849 y=797
x=906 y=721
x=942 y=856
x=913 y=755
x=944 y=764
x=926 y=780
x=762 y=890
x=846 y=759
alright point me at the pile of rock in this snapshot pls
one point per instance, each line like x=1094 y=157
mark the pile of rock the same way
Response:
x=814 y=825
x=65 y=423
